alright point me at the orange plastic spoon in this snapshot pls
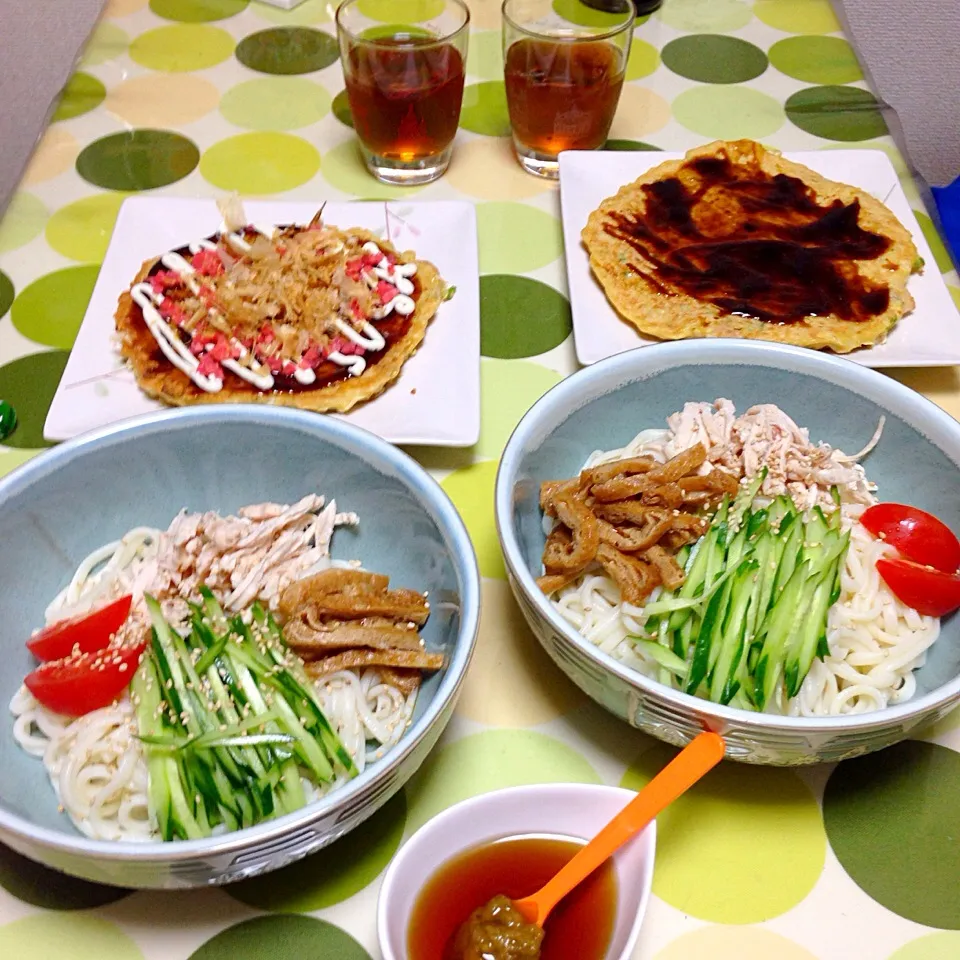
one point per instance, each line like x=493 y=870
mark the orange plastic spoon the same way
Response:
x=696 y=759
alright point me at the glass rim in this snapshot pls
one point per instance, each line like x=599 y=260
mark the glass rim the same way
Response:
x=540 y=35
x=413 y=42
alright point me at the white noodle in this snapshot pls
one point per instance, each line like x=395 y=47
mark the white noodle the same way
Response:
x=96 y=763
x=875 y=641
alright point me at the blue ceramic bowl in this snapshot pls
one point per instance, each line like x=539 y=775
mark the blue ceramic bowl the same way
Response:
x=62 y=504
x=606 y=405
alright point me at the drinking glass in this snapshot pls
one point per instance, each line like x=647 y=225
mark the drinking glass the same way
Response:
x=405 y=85
x=563 y=76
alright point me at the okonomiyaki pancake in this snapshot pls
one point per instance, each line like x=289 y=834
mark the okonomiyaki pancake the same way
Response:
x=736 y=241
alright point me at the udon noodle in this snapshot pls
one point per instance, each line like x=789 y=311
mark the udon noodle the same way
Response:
x=875 y=641
x=96 y=762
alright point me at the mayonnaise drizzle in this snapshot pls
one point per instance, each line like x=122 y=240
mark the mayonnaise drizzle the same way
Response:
x=180 y=356
x=172 y=346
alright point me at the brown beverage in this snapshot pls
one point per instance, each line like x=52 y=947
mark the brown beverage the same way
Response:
x=405 y=96
x=562 y=96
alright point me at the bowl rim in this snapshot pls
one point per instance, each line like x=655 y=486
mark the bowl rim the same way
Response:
x=642 y=363
x=366 y=446
x=531 y=791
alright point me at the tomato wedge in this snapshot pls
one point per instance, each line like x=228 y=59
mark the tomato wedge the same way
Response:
x=914 y=534
x=85 y=681
x=930 y=592
x=89 y=632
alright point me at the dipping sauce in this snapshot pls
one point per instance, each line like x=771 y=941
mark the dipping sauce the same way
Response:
x=579 y=928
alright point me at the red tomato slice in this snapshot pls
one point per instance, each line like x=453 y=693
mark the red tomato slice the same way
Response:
x=85 y=681
x=89 y=632
x=930 y=592
x=915 y=534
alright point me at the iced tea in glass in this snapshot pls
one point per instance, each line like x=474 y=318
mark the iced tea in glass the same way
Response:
x=405 y=87
x=563 y=74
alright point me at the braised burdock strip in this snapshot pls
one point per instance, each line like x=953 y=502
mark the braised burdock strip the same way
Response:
x=629 y=518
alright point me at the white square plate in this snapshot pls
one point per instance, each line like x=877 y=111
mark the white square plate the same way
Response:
x=436 y=399
x=927 y=337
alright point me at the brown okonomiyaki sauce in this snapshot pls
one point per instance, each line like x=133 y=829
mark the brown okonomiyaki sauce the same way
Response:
x=393 y=328
x=753 y=244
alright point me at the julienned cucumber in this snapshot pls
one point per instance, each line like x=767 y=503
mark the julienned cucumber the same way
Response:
x=229 y=722
x=751 y=614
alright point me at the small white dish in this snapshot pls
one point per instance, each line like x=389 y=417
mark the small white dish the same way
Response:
x=436 y=399
x=574 y=810
x=927 y=337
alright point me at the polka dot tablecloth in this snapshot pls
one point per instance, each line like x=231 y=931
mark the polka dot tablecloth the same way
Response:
x=198 y=97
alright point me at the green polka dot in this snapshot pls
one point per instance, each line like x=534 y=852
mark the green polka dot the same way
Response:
x=310 y=12
x=934 y=946
x=516 y=238
x=7 y=293
x=275 y=103
x=66 y=936
x=197 y=11
x=837 y=113
x=333 y=874
x=485 y=109
x=729 y=113
x=521 y=317
x=816 y=59
x=81 y=230
x=287 y=50
x=485 y=55
x=50 y=310
x=628 y=145
x=281 y=938
x=744 y=845
x=42 y=887
x=489 y=761
x=733 y=943
x=892 y=822
x=182 y=47
x=940 y=254
x=341 y=109
x=575 y=11
x=471 y=490
x=22 y=221
x=138 y=160
x=107 y=43
x=406 y=11
x=10 y=460
x=643 y=60
x=702 y=16
x=798 y=16
x=343 y=169
x=711 y=58
x=260 y=163
x=82 y=94
x=508 y=389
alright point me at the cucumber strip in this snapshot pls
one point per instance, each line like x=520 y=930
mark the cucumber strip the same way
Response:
x=730 y=647
x=743 y=502
x=700 y=559
x=670 y=604
x=785 y=618
x=701 y=650
x=804 y=645
x=668 y=660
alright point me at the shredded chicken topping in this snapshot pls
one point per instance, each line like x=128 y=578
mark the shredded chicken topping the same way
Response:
x=765 y=436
